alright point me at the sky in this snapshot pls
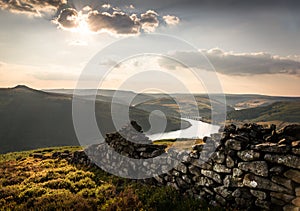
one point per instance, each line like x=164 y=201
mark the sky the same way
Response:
x=250 y=46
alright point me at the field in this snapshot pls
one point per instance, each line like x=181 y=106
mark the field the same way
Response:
x=28 y=182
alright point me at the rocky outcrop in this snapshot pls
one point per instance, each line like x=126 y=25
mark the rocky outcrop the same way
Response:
x=252 y=167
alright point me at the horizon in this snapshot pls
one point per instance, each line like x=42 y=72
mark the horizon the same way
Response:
x=52 y=89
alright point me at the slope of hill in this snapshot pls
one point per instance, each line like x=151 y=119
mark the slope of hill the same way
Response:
x=31 y=119
x=106 y=95
x=251 y=100
x=188 y=108
x=288 y=111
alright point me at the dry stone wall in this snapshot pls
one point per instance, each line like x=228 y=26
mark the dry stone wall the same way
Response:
x=252 y=166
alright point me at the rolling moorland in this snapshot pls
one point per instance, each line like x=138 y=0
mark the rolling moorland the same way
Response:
x=33 y=119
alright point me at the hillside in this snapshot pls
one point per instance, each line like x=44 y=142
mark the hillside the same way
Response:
x=280 y=111
x=40 y=178
x=188 y=108
x=32 y=119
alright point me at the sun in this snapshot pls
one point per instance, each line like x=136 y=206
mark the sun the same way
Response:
x=83 y=27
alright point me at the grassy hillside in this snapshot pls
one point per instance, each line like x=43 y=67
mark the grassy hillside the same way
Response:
x=28 y=182
x=32 y=119
x=188 y=108
x=280 y=111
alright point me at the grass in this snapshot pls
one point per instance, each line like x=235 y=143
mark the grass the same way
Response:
x=183 y=144
x=24 y=154
x=27 y=183
x=279 y=111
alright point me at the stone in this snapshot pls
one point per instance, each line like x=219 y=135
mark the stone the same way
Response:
x=194 y=154
x=230 y=128
x=176 y=173
x=283 y=181
x=297 y=191
x=293 y=175
x=181 y=183
x=287 y=160
x=186 y=179
x=236 y=172
x=276 y=170
x=223 y=191
x=174 y=185
x=157 y=153
x=271 y=147
x=233 y=144
x=263 y=204
x=203 y=181
x=284 y=141
x=296 y=151
x=242 y=193
x=241 y=138
x=248 y=155
x=256 y=167
x=243 y=203
x=221 y=169
x=194 y=170
x=253 y=181
x=213 y=175
x=230 y=181
x=220 y=200
x=206 y=166
x=292 y=130
x=291 y=207
x=141 y=149
x=296 y=202
x=218 y=157
x=181 y=167
x=198 y=147
x=296 y=144
x=277 y=201
x=259 y=194
x=283 y=197
x=229 y=162
x=207 y=190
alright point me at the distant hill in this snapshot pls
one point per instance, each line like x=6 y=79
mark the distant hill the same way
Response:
x=106 y=95
x=32 y=119
x=288 y=111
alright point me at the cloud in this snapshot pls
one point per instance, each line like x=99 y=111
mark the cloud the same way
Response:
x=111 y=20
x=106 y=6
x=118 y=22
x=32 y=7
x=68 y=18
x=106 y=18
x=171 y=20
x=242 y=64
x=149 y=21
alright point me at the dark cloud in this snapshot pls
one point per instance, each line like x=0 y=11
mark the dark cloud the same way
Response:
x=118 y=22
x=32 y=7
x=68 y=18
x=237 y=64
x=149 y=21
x=171 y=19
x=112 y=20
